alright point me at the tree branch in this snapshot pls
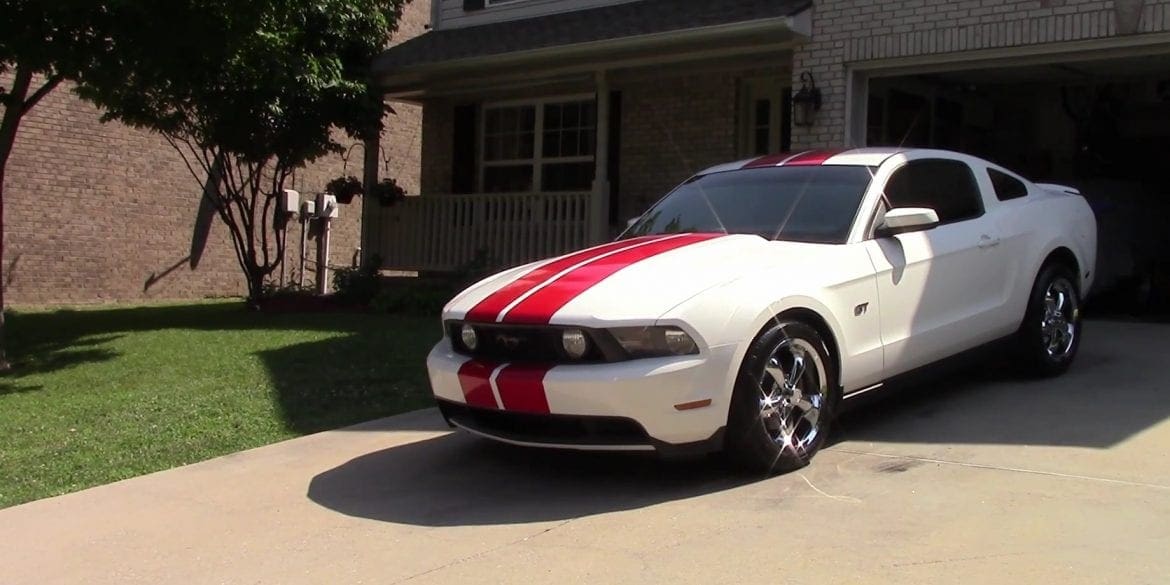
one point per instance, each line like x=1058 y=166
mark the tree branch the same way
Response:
x=50 y=84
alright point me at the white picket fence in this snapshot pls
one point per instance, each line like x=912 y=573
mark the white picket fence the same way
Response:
x=447 y=232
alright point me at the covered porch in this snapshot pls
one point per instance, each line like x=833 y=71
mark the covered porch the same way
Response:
x=544 y=135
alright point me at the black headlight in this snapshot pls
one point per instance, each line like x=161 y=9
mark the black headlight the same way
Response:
x=654 y=341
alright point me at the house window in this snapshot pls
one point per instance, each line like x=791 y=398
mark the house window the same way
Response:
x=765 y=108
x=547 y=146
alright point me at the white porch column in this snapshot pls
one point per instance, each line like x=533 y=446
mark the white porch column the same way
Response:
x=599 y=205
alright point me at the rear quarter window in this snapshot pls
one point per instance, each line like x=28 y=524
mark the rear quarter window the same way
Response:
x=1006 y=186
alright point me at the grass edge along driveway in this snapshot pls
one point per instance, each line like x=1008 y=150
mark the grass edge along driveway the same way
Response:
x=102 y=394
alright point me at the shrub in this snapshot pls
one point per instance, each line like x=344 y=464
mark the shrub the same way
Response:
x=357 y=286
x=414 y=299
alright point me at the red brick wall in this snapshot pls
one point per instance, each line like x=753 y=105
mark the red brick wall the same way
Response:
x=102 y=212
x=671 y=129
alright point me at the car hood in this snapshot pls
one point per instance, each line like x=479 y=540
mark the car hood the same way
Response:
x=630 y=281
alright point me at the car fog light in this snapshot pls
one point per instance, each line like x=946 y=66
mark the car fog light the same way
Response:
x=575 y=343
x=678 y=342
x=470 y=339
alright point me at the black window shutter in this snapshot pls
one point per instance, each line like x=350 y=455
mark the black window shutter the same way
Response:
x=615 y=166
x=469 y=5
x=464 y=149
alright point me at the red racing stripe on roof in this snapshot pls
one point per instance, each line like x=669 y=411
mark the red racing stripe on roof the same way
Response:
x=489 y=309
x=539 y=308
x=813 y=158
x=771 y=160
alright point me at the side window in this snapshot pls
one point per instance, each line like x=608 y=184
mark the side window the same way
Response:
x=1006 y=186
x=946 y=186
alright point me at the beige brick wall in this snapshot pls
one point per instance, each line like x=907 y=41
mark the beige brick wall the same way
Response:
x=102 y=212
x=850 y=31
x=671 y=128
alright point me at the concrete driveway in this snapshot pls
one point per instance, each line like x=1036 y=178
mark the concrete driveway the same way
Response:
x=987 y=481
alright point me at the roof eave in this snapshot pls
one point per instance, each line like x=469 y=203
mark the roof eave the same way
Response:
x=409 y=81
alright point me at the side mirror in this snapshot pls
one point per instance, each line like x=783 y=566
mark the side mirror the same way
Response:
x=906 y=219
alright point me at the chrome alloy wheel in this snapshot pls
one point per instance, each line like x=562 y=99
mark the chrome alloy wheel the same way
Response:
x=793 y=391
x=1058 y=329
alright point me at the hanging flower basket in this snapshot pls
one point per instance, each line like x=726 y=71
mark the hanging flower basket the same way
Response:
x=345 y=189
x=388 y=192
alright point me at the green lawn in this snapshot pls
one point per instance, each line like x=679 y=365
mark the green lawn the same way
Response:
x=99 y=395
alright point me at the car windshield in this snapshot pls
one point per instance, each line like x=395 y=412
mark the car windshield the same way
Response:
x=799 y=204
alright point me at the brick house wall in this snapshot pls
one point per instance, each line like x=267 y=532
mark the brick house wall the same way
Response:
x=850 y=31
x=672 y=126
x=103 y=212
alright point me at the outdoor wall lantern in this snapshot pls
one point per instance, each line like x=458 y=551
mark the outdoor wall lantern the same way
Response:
x=806 y=102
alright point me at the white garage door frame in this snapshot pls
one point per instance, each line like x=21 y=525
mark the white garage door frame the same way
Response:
x=858 y=74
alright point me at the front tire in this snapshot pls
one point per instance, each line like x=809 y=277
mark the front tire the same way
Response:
x=784 y=399
x=1051 y=332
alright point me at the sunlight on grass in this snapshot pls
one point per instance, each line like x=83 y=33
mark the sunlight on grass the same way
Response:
x=104 y=394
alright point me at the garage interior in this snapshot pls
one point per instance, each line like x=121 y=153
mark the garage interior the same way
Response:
x=1102 y=126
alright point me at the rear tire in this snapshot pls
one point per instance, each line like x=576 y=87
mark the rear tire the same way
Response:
x=784 y=399
x=1050 y=335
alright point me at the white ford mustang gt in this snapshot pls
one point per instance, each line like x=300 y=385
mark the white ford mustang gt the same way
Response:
x=741 y=308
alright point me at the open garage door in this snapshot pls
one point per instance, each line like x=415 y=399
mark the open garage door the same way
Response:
x=1102 y=126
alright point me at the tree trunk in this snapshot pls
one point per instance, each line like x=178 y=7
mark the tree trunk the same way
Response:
x=255 y=278
x=4 y=364
x=13 y=111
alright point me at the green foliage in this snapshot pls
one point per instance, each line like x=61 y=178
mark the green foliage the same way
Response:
x=247 y=92
x=51 y=38
x=345 y=188
x=102 y=394
x=290 y=289
x=419 y=300
x=356 y=286
x=388 y=192
x=256 y=79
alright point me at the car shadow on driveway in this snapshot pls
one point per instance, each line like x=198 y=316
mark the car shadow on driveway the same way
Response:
x=458 y=480
x=1117 y=388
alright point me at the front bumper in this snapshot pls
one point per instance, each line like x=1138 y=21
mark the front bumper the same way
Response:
x=627 y=406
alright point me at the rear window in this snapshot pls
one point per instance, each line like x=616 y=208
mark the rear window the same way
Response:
x=1006 y=186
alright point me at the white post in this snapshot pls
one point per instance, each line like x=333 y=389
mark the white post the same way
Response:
x=323 y=257
x=599 y=208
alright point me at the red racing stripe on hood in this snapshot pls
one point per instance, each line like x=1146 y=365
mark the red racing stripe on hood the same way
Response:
x=521 y=388
x=489 y=309
x=540 y=306
x=475 y=378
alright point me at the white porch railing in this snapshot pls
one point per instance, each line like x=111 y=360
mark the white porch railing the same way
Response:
x=447 y=232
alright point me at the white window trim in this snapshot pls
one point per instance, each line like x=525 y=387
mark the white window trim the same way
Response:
x=538 y=160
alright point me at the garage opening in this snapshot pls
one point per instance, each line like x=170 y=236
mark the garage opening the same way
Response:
x=1102 y=126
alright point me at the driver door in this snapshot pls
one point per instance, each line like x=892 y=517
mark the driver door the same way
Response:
x=936 y=287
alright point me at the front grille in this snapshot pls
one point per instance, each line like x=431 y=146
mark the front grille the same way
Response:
x=547 y=428
x=522 y=343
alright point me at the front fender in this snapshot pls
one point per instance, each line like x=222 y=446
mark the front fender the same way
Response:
x=735 y=313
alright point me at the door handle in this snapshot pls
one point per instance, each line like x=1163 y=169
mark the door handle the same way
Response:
x=988 y=242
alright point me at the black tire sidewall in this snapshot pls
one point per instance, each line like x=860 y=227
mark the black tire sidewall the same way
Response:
x=748 y=443
x=1035 y=356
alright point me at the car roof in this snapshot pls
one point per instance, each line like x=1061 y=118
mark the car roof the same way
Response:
x=869 y=157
